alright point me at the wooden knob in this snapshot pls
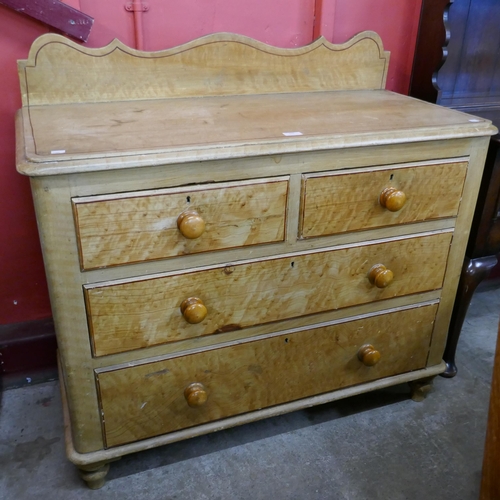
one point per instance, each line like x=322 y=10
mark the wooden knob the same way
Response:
x=380 y=276
x=392 y=199
x=193 y=310
x=190 y=224
x=195 y=394
x=368 y=355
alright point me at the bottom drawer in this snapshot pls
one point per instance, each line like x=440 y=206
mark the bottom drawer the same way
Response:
x=151 y=399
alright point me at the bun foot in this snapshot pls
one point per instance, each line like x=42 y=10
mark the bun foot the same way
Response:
x=94 y=475
x=420 y=388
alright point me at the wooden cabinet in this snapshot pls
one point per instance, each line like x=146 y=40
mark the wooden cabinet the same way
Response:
x=243 y=232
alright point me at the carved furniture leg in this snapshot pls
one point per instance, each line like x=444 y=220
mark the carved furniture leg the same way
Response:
x=473 y=272
x=420 y=388
x=94 y=474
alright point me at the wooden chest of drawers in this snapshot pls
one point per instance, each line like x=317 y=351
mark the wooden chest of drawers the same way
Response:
x=233 y=231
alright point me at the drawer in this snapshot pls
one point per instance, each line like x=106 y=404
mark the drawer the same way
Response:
x=349 y=201
x=127 y=315
x=148 y=225
x=258 y=374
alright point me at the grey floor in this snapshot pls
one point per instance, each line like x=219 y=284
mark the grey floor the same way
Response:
x=376 y=446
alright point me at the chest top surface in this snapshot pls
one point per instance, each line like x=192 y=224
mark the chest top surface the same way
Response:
x=222 y=96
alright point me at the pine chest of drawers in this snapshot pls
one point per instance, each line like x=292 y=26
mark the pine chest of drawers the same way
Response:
x=233 y=231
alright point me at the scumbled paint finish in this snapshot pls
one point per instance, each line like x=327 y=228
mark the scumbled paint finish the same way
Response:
x=283 y=23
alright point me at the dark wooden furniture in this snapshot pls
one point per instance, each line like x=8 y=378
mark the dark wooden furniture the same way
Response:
x=490 y=482
x=464 y=35
x=431 y=49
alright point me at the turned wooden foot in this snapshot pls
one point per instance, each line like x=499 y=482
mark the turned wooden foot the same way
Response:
x=420 y=388
x=94 y=474
x=473 y=272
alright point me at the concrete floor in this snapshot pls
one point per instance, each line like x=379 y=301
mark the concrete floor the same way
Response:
x=376 y=446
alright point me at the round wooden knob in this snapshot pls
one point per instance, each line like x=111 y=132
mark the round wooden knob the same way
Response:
x=193 y=310
x=368 y=355
x=195 y=394
x=380 y=276
x=392 y=199
x=190 y=224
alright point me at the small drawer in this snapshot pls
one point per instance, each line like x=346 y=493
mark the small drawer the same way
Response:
x=148 y=225
x=190 y=390
x=341 y=202
x=143 y=312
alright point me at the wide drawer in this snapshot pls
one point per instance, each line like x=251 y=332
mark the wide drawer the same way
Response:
x=258 y=374
x=340 y=202
x=143 y=312
x=148 y=225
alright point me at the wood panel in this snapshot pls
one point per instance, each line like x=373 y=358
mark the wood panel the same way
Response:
x=180 y=130
x=135 y=314
x=342 y=202
x=142 y=226
x=473 y=75
x=59 y=71
x=111 y=454
x=431 y=49
x=56 y=14
x=457 y=249
x=444 y=74
x=52 y=199
x=259 y=374
x=490 y=480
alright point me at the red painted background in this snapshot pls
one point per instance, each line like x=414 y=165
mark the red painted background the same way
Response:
x=283 y=23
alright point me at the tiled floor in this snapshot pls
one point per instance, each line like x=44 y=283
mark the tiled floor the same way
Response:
x=375 y=446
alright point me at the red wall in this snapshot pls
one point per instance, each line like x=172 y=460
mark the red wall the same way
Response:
x=396 y=21
x=23 y=291
x=284 y=23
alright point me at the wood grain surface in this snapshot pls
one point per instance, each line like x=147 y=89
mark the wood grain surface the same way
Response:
x=58 y=241
x=59 y=71
x=349 y=201
x=457 y=249
x=259 y=374
x=142 y=226
x=211 y=127
x=144 y=312
x=490 y=480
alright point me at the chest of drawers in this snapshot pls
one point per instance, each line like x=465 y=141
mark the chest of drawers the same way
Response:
x=233 y=231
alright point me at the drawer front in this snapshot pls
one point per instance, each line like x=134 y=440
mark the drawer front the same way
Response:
x=343 y=202
x=141 y=313
x=258 y=374
x=135 y=227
